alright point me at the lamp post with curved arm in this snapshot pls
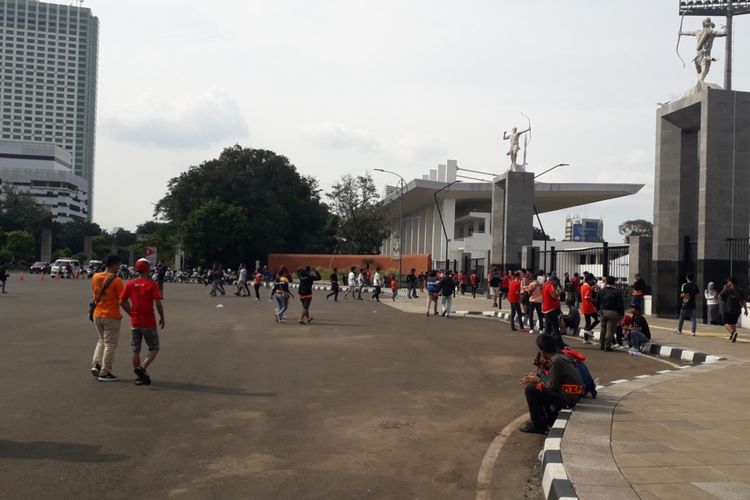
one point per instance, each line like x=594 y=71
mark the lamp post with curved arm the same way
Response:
x=400 y=222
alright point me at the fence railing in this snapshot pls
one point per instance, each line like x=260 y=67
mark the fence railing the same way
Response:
x=610 y=260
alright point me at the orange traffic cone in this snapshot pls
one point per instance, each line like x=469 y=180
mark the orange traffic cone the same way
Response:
x=20 y=278
x=41 y=277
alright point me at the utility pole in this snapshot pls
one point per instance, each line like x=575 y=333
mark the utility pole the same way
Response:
x=728 y=48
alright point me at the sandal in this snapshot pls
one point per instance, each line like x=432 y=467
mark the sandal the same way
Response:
x=142 y=375
x=138 y=381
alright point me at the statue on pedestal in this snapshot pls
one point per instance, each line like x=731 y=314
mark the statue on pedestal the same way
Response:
x=515 y=147
x=705 y=38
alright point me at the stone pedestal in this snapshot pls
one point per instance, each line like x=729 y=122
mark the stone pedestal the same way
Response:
x=702 y=189
x=640 y=250
x=88 y=246
x=512 y=218
x=45 y=253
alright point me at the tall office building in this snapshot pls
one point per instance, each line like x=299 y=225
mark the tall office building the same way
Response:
x=48 y=56
x=581 y=229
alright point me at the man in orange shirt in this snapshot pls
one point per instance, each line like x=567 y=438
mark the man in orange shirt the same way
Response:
x=105 y=290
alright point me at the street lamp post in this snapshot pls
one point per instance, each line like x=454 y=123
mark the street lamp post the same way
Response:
x=544 y=233
x=440 y=214
x=400 y=223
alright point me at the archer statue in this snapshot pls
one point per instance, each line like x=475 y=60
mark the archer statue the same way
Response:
x=705 y=38
x=515 y=147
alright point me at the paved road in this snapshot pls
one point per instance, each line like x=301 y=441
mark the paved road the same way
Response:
x=367 y=402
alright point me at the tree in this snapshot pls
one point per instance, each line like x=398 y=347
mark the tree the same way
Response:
x=362 y=222
x=637 y=227
x=277 y=209
x=21 y=245
x=540 y=235
x=20 y=212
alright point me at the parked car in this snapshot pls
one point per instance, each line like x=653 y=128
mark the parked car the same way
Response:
x=40 y=268
x=66 y=268
x=93 y=267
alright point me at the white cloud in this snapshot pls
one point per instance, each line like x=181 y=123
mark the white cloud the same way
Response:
x=178 y=122
x=337 y=136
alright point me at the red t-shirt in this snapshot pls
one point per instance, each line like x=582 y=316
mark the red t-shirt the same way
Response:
x=587 y=303
x=142 y=293
x=549 y=303
x=505 y=283
x=474 y=279
x=514 y=292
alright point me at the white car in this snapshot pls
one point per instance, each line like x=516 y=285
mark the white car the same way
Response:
x=60 y=267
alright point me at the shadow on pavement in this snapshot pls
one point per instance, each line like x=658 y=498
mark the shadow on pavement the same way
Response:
x=208 y=389
x=50 y=450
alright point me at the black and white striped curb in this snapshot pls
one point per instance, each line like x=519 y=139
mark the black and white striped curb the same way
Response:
x=385 y=292
x=663 y=351
x=555 y=480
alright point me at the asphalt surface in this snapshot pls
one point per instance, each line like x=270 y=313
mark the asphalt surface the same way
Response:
x=365 y=402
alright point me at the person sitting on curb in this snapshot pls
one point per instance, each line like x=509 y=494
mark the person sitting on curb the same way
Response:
x=562 y=388
x=638 y=332
x=570 y=322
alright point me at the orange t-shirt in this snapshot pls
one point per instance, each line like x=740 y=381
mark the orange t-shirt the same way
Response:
x=109 y=305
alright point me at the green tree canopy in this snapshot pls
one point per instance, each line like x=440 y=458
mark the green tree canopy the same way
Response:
x=21 y=245
x=637 y=227
x=362 y=222
x=267 y=207
x=20 y=212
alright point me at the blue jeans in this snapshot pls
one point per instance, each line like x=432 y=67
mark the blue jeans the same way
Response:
x=637 y=339
x=638 y=301
x=281 y=301
x=536 y=306
x=687 y=314
x=515 y=310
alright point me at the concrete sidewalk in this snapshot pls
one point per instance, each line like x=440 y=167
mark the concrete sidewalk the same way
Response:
x=682 y=434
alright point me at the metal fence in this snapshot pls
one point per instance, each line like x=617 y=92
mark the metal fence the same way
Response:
x=599 y=261
x=739 y=260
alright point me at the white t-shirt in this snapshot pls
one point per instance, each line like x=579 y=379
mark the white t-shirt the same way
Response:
x=352 y=278
x=376 y=281
x=243 y=275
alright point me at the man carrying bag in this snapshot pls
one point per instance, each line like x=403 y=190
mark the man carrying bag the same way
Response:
x=104 y=311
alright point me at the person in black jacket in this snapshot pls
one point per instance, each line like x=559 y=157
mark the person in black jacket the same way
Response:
x=611 y=309
x=446 y=287
x=307 y=277
x=411 y=283
x=334 y=285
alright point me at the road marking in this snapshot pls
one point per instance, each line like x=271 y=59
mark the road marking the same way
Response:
x=487 y=469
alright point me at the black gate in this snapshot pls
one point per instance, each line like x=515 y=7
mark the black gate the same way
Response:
x=602 y=260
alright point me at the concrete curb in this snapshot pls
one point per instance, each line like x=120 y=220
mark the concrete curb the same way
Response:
x=663 y=351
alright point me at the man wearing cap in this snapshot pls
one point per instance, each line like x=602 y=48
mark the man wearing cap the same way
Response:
x=138 y=299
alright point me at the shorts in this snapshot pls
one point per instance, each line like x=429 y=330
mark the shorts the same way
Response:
x=493 y=291
x=306 y=300
x=138 y=334
x=731 y=318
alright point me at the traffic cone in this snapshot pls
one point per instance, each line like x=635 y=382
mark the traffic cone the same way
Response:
x=41 y=277
x=58 y=275
x=20 y=278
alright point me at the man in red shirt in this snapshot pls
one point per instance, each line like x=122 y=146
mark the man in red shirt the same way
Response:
x=551 y=306
x=514 y=298
x=138 y=299
x=474 y=280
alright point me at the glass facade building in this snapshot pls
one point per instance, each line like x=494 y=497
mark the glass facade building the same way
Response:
x=48 y=59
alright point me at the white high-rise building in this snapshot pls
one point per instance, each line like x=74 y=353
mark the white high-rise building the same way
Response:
x=48 y=59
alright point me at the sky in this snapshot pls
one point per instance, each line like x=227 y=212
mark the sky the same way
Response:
x=347 y=86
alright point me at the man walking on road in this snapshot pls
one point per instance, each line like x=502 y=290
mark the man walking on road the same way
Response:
x=688 y=291
x=138 y=300
x=351 y=282
x=411 y=283
x=609 y=302
x=377 y=282
x=105 y=290
x=446 y=287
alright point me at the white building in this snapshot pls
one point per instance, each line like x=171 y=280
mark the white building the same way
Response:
x=44 y=171
x=461 y=214
x=48 y=55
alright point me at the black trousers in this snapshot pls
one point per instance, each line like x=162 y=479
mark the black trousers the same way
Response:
x=552 y=322
x=544 y=405
x=334 y=291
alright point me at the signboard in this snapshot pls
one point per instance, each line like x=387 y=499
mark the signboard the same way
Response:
x=149 y=253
